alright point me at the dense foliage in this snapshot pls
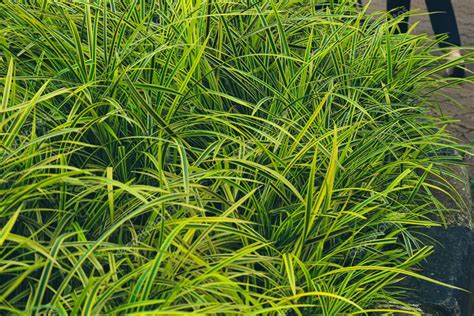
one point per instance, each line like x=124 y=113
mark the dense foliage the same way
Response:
x=256 y=157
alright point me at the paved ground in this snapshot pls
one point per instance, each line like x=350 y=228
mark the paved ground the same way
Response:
x=464 y=10
x=464 y=128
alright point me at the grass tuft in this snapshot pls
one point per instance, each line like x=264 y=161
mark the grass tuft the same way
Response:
x=231 y=157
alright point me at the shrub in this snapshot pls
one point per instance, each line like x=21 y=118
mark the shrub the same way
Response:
x=256 y=157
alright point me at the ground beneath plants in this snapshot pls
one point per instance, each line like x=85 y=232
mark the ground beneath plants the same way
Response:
x=464 y=95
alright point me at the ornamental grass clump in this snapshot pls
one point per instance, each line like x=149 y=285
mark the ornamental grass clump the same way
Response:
x=230 y=157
